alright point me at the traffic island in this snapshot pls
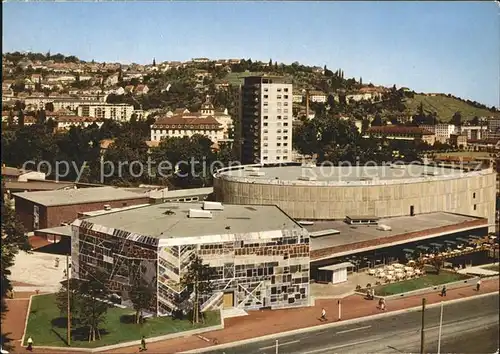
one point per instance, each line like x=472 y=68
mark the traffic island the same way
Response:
x=48 y=329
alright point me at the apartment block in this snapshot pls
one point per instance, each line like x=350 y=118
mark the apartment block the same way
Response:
x=266 y=119
x=121 y=112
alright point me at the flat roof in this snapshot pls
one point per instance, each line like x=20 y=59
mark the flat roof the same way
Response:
x=38 y=185
x=79 y=196
x=59 y=230
x=338 y=175
x=154 y=222
x=179 y=193
x=350 y=234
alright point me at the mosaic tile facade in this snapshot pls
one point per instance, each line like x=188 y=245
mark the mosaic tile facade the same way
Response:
x=269 y=269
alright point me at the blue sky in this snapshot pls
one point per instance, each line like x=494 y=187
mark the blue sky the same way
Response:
x=450 y=47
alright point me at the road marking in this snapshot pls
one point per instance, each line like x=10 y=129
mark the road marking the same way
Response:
x=280 y=344
x=354 y=329
x=329 y=349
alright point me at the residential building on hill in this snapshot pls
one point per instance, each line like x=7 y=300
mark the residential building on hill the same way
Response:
x=216 y=126
x=121 y=112
x=442 y=131
x=402 y=133
x=266 y=119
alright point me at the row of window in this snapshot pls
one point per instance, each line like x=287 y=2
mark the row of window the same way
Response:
x=285 y=137
x=277 y=124
x=278 y=97
x=285 y=158
x=285 y=131
x=277 y=117
x=266 y=89
x=265 y=104
x=285 y=151
x=278 y=110
x=277 y=144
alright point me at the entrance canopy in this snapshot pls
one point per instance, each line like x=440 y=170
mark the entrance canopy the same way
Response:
x=338 y=266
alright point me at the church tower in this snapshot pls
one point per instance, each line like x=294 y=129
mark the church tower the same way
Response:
x=207 y=108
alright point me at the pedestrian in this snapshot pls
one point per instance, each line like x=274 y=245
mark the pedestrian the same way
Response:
x=143 y=344
x=30 y=344
x=443 y=291
x=382 y=306
x=323 y=315
x=478 y=285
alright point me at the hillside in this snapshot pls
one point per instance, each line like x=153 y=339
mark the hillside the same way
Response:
x=445 y=107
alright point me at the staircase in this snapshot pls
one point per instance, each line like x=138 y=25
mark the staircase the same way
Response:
x=233 y=312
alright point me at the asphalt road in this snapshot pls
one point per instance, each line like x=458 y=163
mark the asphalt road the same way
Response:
x=468 y=327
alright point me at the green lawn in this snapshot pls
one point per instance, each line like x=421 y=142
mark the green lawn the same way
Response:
x=47 y=328
x=493 y=267
x=426 y=281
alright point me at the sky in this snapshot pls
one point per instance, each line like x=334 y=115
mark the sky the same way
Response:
x=448 y=47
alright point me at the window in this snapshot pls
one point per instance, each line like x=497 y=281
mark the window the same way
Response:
x=285 y=117
x=265 y=124
x=266 y=96
x=279 y=90
x=278 y=110
x=285 y=157
x=285 y=89
x=285 y=144
x=285 y=104
x=278 y=137
x=265 y=131
x=266 y=117
x=285 y=137
x=266 y=104
x=285 y=131
x=285 y=124
x=278 y=124
x=474 y=195
x=278 y=117
x=475 y=206
x=277 y=157
x=286 y=97
x=265 y=138
x=278 y=97
x=285 y=110
x=278 y=104
x=265 y=157
x=265 y=144
x=264 y=151
x=265 y=110
x=278 y=144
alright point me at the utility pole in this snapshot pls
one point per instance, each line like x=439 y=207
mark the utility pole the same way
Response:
x=440 y=329
x=195 y=314
x=422 y=333
x=69 y=305
x=340 y=309
x=277 y=346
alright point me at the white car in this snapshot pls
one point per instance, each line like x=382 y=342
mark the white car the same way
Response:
x=3 y=351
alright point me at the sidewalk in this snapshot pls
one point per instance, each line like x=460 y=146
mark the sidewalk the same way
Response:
x=261 y=323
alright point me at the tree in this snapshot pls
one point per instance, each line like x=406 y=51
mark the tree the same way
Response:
x=92 y=309
x=13 y=241
x=141 y=294
x=197 y=281
x=456 y=119
x=437 y=262
x=74 y=299
x=377 y=121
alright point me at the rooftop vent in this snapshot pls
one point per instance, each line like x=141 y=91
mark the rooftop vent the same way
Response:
x=107 y=207
x=257 y=174
x=398 y=167
x=200 y=214
x=307 y=178
x=429 y=173
x=212 y=206
x=252 y=169
x=305 y=222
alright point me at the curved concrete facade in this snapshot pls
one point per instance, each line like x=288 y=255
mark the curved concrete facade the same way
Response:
x=450 y=190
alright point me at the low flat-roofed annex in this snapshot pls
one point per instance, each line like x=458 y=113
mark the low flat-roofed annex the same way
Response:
x=350 y=234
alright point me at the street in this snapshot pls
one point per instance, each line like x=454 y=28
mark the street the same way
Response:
x=470 y=326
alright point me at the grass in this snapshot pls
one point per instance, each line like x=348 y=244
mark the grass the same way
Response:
x=445 y=107
x=47 y=328
x=493 y=267
x=428 y=280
